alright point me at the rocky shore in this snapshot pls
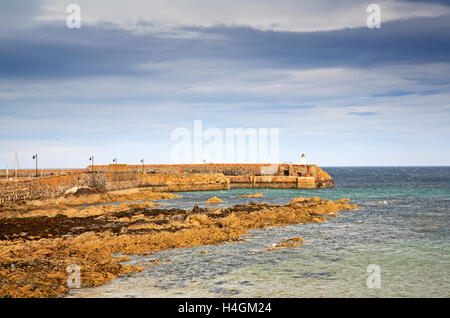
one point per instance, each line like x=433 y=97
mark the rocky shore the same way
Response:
x=39 y=240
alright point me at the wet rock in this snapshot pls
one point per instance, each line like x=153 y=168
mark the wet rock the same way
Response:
x=198 y=210
x=298 y=200
x=254 y=195
x=292 y=242
x=318 y=219
x=214 y=199
x=305 y=200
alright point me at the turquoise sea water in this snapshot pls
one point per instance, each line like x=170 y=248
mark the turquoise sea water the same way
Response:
x=403 y=229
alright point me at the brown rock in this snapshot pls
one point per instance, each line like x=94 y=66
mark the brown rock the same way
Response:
x=214 y=199
x=254 y=195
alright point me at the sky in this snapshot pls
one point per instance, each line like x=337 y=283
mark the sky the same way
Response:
x=118 y=87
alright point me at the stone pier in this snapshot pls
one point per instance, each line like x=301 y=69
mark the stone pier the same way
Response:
x=167 y=178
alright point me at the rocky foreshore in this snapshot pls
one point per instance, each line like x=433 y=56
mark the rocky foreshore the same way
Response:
x=38 y=241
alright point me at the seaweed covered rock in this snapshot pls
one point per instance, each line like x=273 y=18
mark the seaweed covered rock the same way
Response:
x=214 y=199
x=253 y=195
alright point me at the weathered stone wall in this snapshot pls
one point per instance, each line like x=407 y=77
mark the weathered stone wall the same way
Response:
x=306 y=183
x=164 y=182
x=192 y=182
x=51 y=187
x=227 y=169
x=42 y=188
x=279 y=182
x=323 y=179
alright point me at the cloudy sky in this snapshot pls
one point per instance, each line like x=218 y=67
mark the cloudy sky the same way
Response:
x=339 y=92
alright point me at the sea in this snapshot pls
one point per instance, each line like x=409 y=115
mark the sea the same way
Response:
x=396 y=245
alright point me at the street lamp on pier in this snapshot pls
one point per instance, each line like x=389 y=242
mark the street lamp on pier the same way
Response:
x=36 y=158
x=91 y=159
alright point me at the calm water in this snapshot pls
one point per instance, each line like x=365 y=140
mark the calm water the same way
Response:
x=403 y=228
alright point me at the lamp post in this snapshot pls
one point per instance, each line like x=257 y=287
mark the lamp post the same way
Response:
x=36 y=158
x=91 y=158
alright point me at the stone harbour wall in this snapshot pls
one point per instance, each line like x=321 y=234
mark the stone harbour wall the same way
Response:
x=52 y=187
x=168 y=178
